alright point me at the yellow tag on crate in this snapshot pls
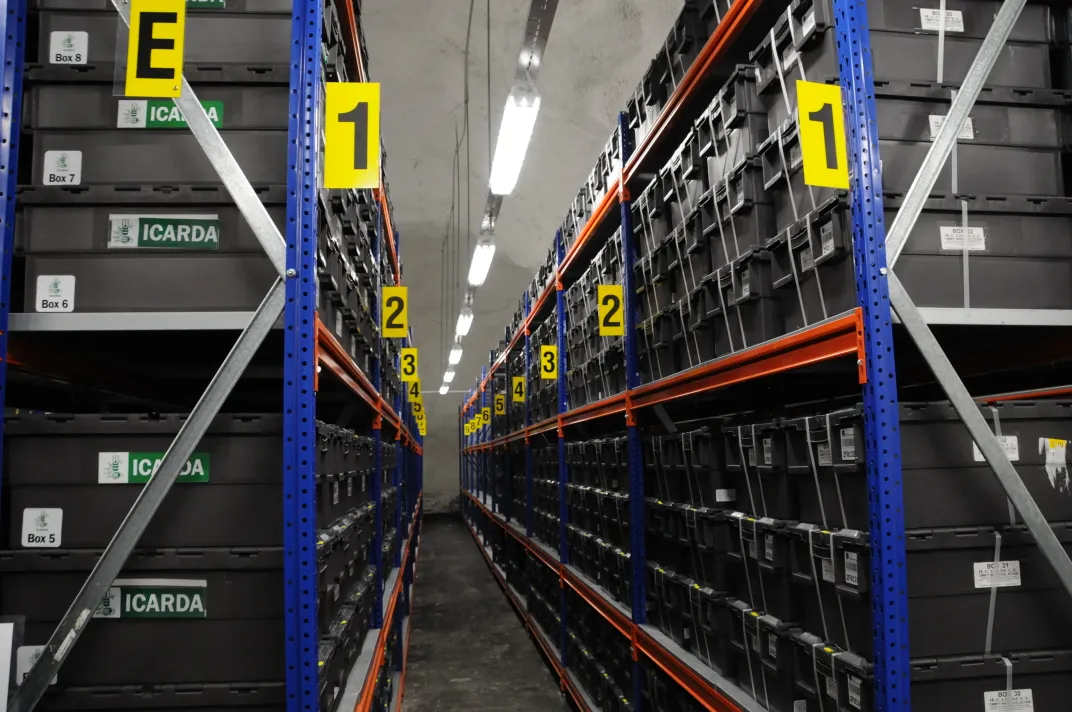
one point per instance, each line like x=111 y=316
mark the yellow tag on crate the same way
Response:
x=352 y=136
x=549 y=363
x=821 y=120
x=155 y=49
x=394 y=319
x=409 y=364
x=518 y=389
x=500 y=404
x=611 y=309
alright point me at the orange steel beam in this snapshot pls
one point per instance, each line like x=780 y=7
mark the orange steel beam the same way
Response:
x=609 y=200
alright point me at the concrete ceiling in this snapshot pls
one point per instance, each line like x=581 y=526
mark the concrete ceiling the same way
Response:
x=597 y=52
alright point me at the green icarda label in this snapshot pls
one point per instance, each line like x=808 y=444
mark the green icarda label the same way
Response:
x=161 y=114
x=138 y=467
x=177 y=232
x=154 y=598
x=206 y=4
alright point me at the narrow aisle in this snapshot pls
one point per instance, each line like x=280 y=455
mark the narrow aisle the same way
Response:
x=468 y=649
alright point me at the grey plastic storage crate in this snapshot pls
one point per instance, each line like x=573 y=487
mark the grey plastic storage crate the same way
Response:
x=946 y=481
x=85 y=34
x=94 y=107
x=70 y=481
x=73 y=158
x=216 y=612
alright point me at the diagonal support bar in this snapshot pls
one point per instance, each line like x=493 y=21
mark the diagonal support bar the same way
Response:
x=968 y=410
x=234 y=179
x=921 y=187
x=152 y=495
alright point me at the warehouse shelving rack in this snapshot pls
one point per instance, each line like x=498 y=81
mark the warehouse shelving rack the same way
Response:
x=864 y=334
x=310 y=350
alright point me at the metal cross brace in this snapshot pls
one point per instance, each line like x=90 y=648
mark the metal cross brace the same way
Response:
x=916 y=325
x=152 y=495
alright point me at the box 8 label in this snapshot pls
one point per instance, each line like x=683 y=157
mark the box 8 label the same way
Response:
x=68 y=47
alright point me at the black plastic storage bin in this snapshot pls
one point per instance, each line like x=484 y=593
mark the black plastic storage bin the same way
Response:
x=752 y=313
x=737 y=213
x=757 y=466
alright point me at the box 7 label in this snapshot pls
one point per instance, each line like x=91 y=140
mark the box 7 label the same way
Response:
x=154 y=598
x=139 y=467
x=179 y=232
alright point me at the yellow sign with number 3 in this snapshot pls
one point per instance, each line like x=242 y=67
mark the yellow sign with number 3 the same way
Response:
x=409 y=365
x=821 y=119
x=549 y=363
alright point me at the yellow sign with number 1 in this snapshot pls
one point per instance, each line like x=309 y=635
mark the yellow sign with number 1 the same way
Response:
x=821 y=119
x=394 y=320
x=352 y=136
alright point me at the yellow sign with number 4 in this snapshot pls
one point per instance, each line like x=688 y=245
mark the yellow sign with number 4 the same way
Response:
x=517 y=391
x=821 y=119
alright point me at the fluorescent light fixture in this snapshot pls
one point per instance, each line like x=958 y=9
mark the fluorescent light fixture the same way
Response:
x=478 y=270
x=443 y=389
x=448 y=376
x=465 y=319
x=515 y=132
x=455 y=356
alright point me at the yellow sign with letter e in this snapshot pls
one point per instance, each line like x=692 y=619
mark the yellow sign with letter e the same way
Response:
x=821 y=119
x=155 y=48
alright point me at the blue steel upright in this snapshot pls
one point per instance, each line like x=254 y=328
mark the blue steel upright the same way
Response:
x=14 y=29
x=377 y=431
x=892 y=674
x=299 y=363
x=528 y=422
x=563 y=407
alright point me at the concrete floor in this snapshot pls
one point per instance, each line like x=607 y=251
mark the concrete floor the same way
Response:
x=468 y=649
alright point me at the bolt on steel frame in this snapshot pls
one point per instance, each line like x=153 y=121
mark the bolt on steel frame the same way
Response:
x=879 y=293
x=293 y=295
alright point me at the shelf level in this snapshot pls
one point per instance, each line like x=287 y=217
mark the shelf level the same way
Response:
x=834 y=338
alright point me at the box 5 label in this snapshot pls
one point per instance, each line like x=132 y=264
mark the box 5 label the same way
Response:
x=42 y=528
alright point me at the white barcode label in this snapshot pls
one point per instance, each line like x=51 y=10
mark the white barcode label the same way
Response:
x=806 y=261
x=824 y=455
x=809 y=22
x=752 y=456
x=854 y=692
x=828 y=570
x=826 y=236
x=851 y=572
x=959 y=238
x=752 y=550
x=831 y=687
x=746 y=288
x=772 y=645
x=999 y=574
x=755 y=643
x=848 y=444
x=334 y=492
x=1009 y=444
x=725 y=495
x=967 y=131
x=349 y=486
x=789 y=58
x=768 y=549
x=1009 y=701
x=768 y=451
x=930 y=19
x=338 y=323
x=800 y=706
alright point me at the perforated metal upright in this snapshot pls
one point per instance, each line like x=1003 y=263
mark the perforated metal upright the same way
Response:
x=299 y=365
x=14 y=28
x=377 y=432
x=883 y=442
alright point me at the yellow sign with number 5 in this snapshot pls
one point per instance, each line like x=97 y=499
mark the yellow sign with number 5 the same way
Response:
x=500 y=404
x=821 y=119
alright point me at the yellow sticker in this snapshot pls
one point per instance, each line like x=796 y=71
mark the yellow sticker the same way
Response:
x=485 y=416
x=518 y=390
x=549 y=363
x=611 y=309
x=352 y=136
x=394 y=319
x=409 y=364
x=155 y=49
x=500 y=404
x=821 y=119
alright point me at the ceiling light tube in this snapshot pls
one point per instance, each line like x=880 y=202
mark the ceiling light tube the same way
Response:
x=478 y=270
x=444 y=389
x=455 y=356
x=448 y=376
x=465 y=319
x=515 y=132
